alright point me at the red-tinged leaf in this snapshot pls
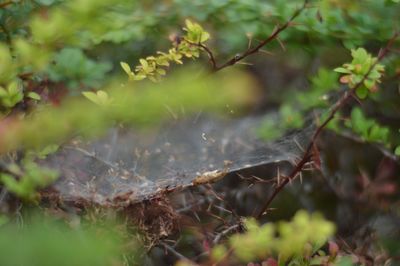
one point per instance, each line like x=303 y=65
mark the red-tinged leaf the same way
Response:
x=270 y=262
x=206 y=245
x=333 y=249
x=374 y=88
x=345 y=79
x=363 y=180
x=56 y=94
x=386 y=189
x=386 y=170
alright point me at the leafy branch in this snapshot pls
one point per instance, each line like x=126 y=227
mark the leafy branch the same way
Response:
x=153 y=67
x=310 y=151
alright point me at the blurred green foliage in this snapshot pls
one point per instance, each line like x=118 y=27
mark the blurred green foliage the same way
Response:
x=289 y=242
x=368 y=129
x=11 y=95
x=44 y=242
x=293 y=113
x=72 y=67
x=31 y=178
x=141 y=105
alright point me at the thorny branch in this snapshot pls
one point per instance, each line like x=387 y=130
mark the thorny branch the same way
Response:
x=307 y=155
x=174 y=252
x=252 y=50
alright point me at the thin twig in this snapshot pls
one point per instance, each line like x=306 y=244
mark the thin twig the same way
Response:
x=92 y=155
x=176 y=253
x=257 y=48
x=307 y=155
x=225 y=232
x=5 y=168
x=3 y=195
x=207 y=50
x=250 y=50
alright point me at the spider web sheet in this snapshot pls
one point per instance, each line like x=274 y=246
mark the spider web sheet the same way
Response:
x=134 y=165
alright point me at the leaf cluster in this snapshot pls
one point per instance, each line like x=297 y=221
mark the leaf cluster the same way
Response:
x=363 y=68
x=287 y=241
x=153 y=67
x=368 y=129
x=30 y=178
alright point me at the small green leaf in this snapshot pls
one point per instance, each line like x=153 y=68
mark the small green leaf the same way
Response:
x=362 y=92
x=397 y=151
x=49 y=149
x=126 y=68
x=13 y=87
x=161 y=71
x=360 y=55
x=144 y=63
x=204 y=36
x=139 y=77
x=90 y=95
x=33 y=95
x=189 y=25
x=100 y=97
x=369 y=83
x=342 y=70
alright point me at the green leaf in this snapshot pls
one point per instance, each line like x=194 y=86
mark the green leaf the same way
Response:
x=362 y=92
x=72 y=66
x=144 y=63
x=189 y=25
x=378 y=133
x=90 y=95
x=342 y=70
x=126 y=68
x=102 y=95
x=374 y=74
x=12 y=95
x=359 y=55
x=358 y=122
x=397 y=151
x=139 y=77
x=161 y=71
x=49 y=149
x=33 y=95
x=204 y=36
x=100 y=98
x=369 y=83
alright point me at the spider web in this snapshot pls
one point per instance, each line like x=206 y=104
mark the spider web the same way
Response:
x=128 y=165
